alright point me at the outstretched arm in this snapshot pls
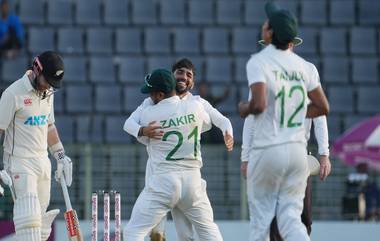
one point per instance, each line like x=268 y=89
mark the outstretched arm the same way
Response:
x=219 y=120
x=222 y=122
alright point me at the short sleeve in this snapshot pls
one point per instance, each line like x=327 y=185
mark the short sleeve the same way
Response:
x=255 y=71
x=314 y=80
x=7 y=109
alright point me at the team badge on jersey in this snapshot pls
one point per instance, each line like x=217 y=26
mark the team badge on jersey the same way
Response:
x=28 y=102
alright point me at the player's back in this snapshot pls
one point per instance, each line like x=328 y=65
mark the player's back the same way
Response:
x=182 y=122
x=288 y=78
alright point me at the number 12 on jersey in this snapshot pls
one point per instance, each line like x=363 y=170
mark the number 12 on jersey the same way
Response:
x=281 y=97
x=193 y=133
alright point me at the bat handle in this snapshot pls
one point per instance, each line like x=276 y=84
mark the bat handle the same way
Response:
x=65 y=194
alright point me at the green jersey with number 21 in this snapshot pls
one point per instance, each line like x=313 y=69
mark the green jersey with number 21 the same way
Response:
x=288 y=78
x=182 y=122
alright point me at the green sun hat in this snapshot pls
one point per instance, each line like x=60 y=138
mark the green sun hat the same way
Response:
x=159 y=80
x=283 y=22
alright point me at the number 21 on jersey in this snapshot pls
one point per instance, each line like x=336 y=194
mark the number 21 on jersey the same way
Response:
x=193 y=135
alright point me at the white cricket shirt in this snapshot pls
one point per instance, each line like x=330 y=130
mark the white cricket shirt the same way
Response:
x=288 y=78
x=182 y=122
x=25 y=118
x=132 y=124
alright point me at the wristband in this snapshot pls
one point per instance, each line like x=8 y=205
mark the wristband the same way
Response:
x=56 y=147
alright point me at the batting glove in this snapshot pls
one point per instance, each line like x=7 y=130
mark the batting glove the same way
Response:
x=64 y=167
x=6 y=179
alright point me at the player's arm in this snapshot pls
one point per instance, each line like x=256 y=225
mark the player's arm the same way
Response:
x=4 y=177
x=132 y=124
x=8 y=108
x=220 y=121
x=258 y=102
x=64 y=164
x=322 y=136
x=319 y=104
x=257 y=85
x=246 y=144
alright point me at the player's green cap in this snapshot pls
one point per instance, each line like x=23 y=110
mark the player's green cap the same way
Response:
x=159 y=80
x=283 y=22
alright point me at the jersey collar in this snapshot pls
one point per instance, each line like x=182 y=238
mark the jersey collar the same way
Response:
x=172 y=99
x=188 y=95
x=271 y=47
x=26 y=80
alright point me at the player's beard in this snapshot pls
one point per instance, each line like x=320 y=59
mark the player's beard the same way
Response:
x=183 y=86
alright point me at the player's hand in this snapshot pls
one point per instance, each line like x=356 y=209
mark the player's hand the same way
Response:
x=228 y=141
x=153 y=131
x=1 y=191
x=243 y=169
x=325 y=168
x=64 y=167
x=243 y=109
x=6 y=179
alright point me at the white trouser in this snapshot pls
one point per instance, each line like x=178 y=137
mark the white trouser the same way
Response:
x=30 y=177
x=182 y=189
x=276 y=182
x=182 y=224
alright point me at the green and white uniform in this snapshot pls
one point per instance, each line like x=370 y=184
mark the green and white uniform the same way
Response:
x=132 y=126
x=277 y=167
x=174 y=163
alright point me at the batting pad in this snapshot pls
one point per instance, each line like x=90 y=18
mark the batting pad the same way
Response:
x=27 y=217
x=27 y=212
x=29 y=234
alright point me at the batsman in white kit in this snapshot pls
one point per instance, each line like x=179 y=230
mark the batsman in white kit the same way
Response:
x=175 y=162
x=184 y=73
x=27 y=118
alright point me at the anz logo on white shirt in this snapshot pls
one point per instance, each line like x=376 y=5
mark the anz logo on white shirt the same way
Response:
x=37 y=120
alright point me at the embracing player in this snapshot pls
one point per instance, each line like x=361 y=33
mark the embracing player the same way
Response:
x=174 y=162
x=184 y=72
x=27 y=118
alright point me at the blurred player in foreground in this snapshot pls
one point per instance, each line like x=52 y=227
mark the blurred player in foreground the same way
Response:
x=184 y=73
x=324 y=169
x=27 y=118
x=280 y=82
x=321 y=134
x=174 y=162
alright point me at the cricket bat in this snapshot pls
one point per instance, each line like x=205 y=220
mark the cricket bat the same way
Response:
x=71 y=218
